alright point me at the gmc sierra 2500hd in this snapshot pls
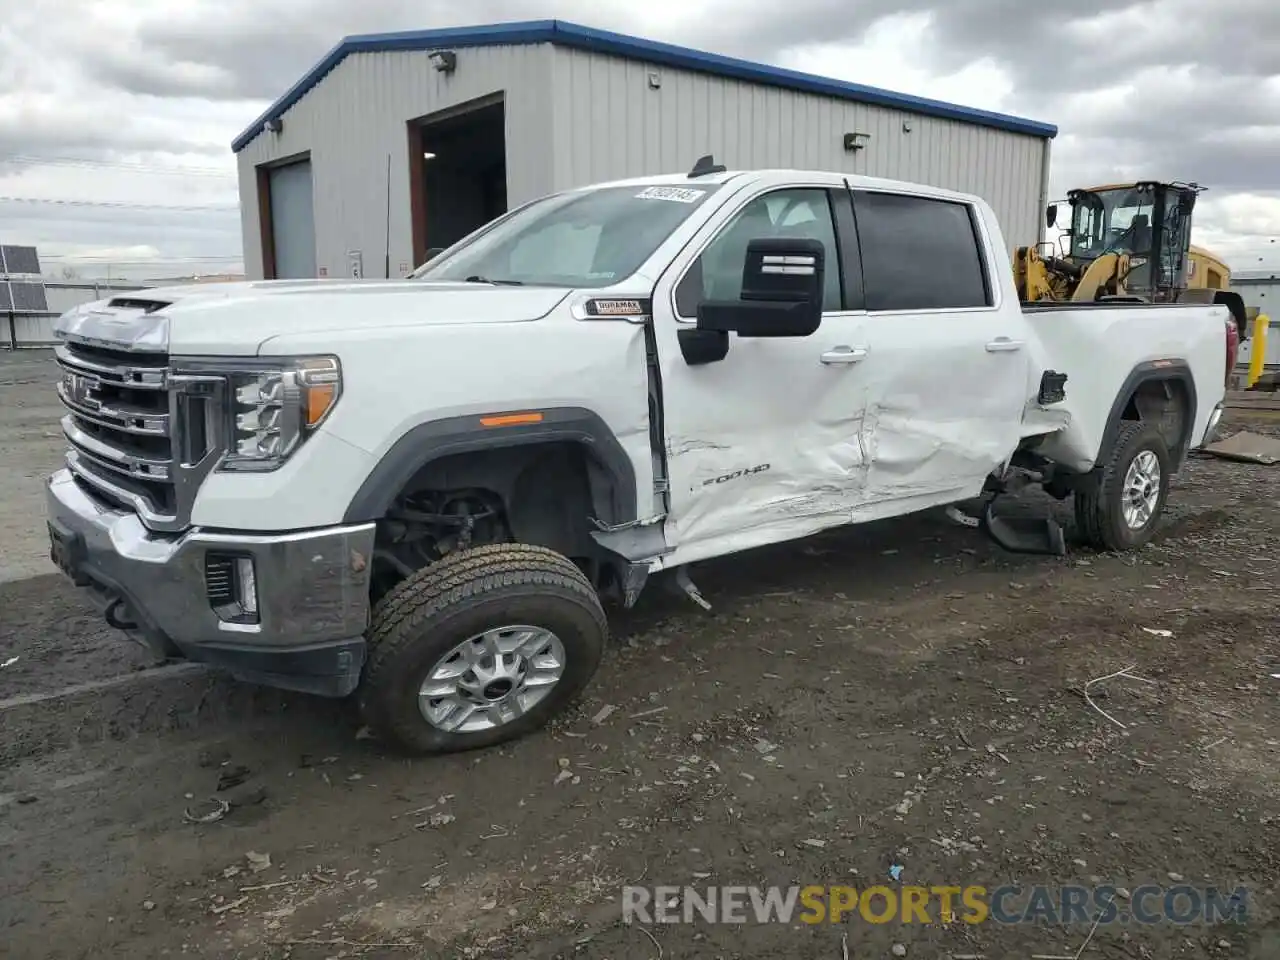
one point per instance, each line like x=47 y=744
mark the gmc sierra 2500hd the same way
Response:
x=419 y=490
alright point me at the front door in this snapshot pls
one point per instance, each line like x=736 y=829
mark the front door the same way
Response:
x=763 y=445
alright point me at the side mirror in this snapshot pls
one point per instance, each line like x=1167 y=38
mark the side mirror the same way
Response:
x=782 y=287
x=432 y=253
x=1051 y=215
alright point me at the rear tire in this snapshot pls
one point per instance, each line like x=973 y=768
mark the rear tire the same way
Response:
x=1123 y=510
x=512 y=634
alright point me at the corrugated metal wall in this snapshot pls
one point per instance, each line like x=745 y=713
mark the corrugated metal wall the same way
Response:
x=574 y=117
x=1265 y=295
x=356 y=117
x=611 y=123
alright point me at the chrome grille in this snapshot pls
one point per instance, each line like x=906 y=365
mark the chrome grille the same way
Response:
x=137 y=434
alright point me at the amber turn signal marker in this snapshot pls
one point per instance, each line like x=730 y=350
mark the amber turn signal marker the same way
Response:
x=510 y=419
x=319 y=400
x=321 y=380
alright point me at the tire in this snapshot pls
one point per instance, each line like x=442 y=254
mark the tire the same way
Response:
x=1100 y=512
x=479 y=592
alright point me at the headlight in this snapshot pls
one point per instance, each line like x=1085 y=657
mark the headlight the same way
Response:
x=274 y=409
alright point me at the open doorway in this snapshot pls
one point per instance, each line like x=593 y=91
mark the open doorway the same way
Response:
x=458 y=172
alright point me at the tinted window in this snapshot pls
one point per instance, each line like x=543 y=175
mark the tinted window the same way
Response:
x=919 y=254
x=717 y=273
x=587 y=238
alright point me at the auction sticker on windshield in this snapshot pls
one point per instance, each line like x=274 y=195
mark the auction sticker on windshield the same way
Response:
x=678 y=194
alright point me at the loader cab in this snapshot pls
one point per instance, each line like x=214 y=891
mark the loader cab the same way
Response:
x=1148 y=221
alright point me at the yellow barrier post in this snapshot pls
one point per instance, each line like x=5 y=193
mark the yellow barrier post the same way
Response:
x=1257 y=349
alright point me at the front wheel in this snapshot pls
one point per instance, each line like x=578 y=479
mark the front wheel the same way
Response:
x=1123 y=510
x=481 y=647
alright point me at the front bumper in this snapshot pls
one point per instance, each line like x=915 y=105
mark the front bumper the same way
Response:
x=312 y=591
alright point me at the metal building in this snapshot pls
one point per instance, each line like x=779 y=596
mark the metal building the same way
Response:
x=398 y=143
x=1260 y=288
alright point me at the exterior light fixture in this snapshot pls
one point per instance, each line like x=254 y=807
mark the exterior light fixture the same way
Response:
x=445 y=61
x=855 y=141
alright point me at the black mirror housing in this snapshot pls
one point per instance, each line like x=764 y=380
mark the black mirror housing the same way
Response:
x=782 y=288
x=1051 y=215
x=782 y=284
x=782 y=269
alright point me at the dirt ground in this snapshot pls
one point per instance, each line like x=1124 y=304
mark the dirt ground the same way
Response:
x=901 y=694
x=30 y=449
x=58 y=641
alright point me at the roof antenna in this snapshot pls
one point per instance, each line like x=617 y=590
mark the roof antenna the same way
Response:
x=706 y=165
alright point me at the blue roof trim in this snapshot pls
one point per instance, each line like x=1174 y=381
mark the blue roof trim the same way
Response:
x=563 y=33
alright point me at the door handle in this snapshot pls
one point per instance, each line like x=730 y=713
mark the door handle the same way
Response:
x=844 y=355
x=1003 y=345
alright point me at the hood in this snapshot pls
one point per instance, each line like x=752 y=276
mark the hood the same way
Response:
x=234 y=319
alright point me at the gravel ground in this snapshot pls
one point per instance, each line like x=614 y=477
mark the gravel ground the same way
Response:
x=900 y=694
x=31 y=448
x=58 y=640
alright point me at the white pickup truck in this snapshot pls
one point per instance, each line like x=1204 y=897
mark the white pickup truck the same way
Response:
x=418 y=491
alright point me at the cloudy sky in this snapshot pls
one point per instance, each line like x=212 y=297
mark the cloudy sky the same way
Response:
x=116 y=116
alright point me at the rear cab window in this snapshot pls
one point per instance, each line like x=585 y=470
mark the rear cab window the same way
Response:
x=920 y=253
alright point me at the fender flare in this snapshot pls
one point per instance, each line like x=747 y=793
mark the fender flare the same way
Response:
x=435 y=439
x=1153 y=370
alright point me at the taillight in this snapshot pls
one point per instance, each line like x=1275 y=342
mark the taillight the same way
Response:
x=1233 y=347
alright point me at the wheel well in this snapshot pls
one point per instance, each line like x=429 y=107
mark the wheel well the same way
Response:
x=544 y=494
x=1165 y=402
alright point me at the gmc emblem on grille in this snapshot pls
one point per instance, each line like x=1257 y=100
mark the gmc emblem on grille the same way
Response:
x=81 y=388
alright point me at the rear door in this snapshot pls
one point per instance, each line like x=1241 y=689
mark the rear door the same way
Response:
x=949 y=361
x=762 y=445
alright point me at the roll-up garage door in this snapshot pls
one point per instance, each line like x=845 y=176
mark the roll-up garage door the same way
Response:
x=292 y=220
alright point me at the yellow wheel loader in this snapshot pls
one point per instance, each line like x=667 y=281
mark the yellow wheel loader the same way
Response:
x=1129 y=241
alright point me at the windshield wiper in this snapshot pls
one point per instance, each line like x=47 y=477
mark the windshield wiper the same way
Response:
x=497 y=283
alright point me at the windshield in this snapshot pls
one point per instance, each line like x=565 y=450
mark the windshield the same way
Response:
x=587 y=238
x=1111 y=221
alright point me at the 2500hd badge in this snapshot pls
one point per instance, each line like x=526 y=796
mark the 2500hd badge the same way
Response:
x=745 y=472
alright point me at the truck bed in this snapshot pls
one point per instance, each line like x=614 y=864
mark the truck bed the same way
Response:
x=1103 y=345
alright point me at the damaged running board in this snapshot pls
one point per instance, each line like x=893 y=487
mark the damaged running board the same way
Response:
x=1034 y=535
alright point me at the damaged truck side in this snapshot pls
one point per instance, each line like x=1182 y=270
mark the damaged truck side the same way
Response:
x=419 y=491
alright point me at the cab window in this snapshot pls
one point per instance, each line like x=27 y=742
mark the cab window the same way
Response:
x=920 y=253
x=796 y=213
